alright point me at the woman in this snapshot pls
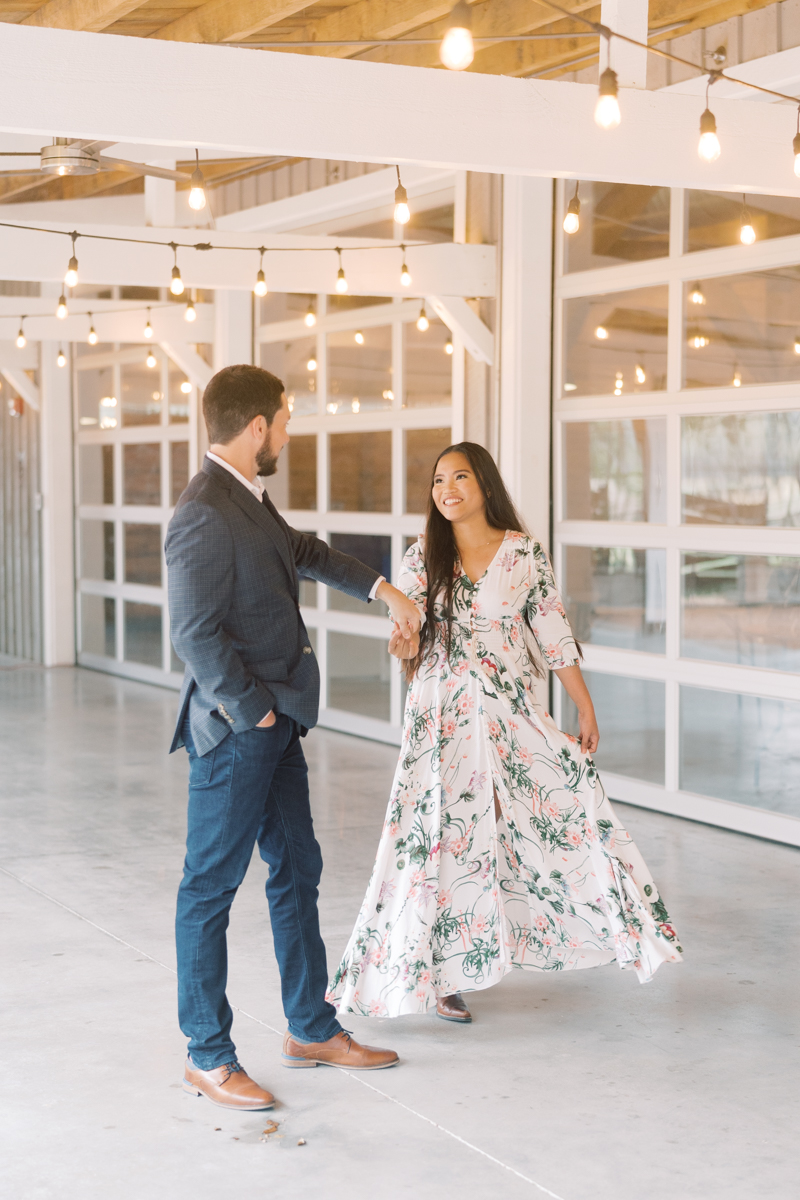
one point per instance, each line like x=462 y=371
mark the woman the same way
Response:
x=500 y=849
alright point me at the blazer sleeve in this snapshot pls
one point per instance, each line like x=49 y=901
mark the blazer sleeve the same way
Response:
x=544 y=613
x=315 y=559
x=200 y=582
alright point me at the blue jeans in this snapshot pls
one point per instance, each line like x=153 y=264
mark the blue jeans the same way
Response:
x=252 y=787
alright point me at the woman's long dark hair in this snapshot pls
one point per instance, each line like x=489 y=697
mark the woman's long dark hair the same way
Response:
x=440 y=544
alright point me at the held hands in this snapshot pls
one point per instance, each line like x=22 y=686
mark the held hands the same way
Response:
x=405 y=613
x=402 y=647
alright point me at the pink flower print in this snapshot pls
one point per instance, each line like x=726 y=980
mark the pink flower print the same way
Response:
x=465 y=704
x=418 y=877
x=541 y=923
x=526 y=756
x=571 y=739
x=443 y=899
x=552 y=809
x=387 y=891
x=494 y=626
x=377 y=1008
x=547 y=941
x=506 y=647
x=394 y=828
x=434 y=850
x=479 y=924
x=513 y=725
x=574 y=838
x=419 y=994
x=502 y=749
x=494 y=729
x=553 y=651
x=477 y=781
x=451 y=683
x=425 y=977
x=449 y=727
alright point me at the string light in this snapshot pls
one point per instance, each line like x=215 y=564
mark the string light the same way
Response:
x=62 y=312
x=310 y=317
x=186 y=387
x=311 y=365
x=457 y=49
x=197 y=195
x=640 y=373
x=572 y=220
x=341 y=278
x=796 y=146
x=151 y=360
x=606 y=111
x=148 y=329
x=92 y=337
x=402 y=213
x=191 y=312
x=696 y=294
x=71 y=277
x=618 y=384
x=260 y=286
x=61 y=358
x=22 y=341
x=356 y=406
x=708 y=147
x=796 y=344
x=747 y=235
x=737 y=378
x=176 y=286
x=448 y=346
x=359 y=338
x=698 y=341
x=405 y=275
x=601 y=333
x=423 y=324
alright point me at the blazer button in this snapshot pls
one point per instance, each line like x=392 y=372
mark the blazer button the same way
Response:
x=306 y=649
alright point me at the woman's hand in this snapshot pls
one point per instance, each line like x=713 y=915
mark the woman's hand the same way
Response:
x=403 y=647
x=589 y=733
x=405 y=613
x=575 y=686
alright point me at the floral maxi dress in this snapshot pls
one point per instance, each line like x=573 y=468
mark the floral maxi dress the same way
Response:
x=458 y=897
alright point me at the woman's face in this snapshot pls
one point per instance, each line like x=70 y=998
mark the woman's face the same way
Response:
x=456 y=491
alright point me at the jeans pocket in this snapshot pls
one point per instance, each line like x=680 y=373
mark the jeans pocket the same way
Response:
x=200 y=768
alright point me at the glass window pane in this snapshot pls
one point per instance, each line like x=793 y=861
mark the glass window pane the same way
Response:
x=98 y=626
x=141 y=473
x=715 y=218
x=741 y=469
x=615 y=470
x=376 y=552
x=94 y=387
x=301 y=455
x=143 y=554
x=428 y=372
x=97 y=550
x=295 y=363
x=141 y=395
x=616 y=343
x=361 y=472
x=308 y=593
x=96 y=467
x=630 y=716
x=175 y=663
x=143 y=633
x=358 y=675
x=422 y=449
x=741 y=608
x=741 y=748
x=742 y=329
x=619 y=222
x=312 y=639
x=616 y=596
x=360 y=370
x=180 y=395
x=179 y=469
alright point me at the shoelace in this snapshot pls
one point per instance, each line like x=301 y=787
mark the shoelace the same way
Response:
x=231 y=1068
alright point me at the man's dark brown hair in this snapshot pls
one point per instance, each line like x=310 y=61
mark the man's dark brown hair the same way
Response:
x=234 y=396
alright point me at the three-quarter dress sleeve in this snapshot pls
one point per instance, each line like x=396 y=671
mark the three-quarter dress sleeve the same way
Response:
x=544 y=613
x=413 y=580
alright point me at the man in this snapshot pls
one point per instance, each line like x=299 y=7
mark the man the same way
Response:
x=250 y=692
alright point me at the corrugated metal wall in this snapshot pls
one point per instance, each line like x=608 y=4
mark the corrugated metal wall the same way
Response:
x=20 y=544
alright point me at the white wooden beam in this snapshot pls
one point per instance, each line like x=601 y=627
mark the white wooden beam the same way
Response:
x=253 y=102
x=460 y=319
x=189 y=361
x=167 y=322
x=630 y=62
x=24 y=385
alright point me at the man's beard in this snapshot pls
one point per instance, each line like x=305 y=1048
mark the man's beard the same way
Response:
x=266 y=461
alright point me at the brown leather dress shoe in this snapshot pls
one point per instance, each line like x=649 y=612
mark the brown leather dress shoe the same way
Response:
x=453 y=1008
x=229 y=1086
x=339 y=1051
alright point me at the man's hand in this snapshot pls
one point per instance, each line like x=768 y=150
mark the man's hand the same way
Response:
x=268 y=720
x=402 y=647
x=405 y=613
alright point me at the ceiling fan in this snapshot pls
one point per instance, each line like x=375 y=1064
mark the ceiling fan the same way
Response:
x=69 y=156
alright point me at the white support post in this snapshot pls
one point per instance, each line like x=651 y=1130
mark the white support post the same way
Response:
x=630 y=62
x=233 y=328
x=525 y=321
x=58 y=567
x=159 y=198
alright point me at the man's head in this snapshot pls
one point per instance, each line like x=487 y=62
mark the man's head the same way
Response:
x=246 y=413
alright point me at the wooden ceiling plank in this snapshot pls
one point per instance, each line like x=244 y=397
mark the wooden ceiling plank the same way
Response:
x=92 y=16
x=228 y=20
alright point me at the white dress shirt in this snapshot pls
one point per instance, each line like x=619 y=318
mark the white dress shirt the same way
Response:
x=258 y=491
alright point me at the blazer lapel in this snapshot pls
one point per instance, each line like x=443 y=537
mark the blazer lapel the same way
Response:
x=262 y=514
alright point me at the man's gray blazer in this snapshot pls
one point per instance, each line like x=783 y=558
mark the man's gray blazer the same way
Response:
x=233 y=569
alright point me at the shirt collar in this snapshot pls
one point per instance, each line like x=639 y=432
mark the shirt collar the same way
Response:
x=255 y=488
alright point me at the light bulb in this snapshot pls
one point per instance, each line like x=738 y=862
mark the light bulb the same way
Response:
x=151 y=360
x=402 y=213
x=796 y=152
x=61 y=310
x=708 y=147
x=92 y=337
x=457 y=49
x=405 y=276
x=176 y=286
x=448 y=347
x=698 y=341
x=191 y=312
x=108 y=402
x=341 y=281
x=737 y=378
x=22 y=341
x=572 y=221
x=197 y=197
x=601 y=333
x=359 y=338
x=747 y=235
x=388 y=394
x=356 y=406
x=311 y=365
x=606 y=111
x=696 y=295
x=186 y=387
x=422 y=321
x=310 y=318
x=148 y=330
x=62 y=358
x=260 y=287
x=796 y=345
x=71 y=277
x=640 y=375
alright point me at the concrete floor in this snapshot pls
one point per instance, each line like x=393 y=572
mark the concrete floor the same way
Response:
x=585 y=1086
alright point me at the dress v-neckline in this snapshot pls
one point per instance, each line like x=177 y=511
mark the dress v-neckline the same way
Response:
x=489 y=565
